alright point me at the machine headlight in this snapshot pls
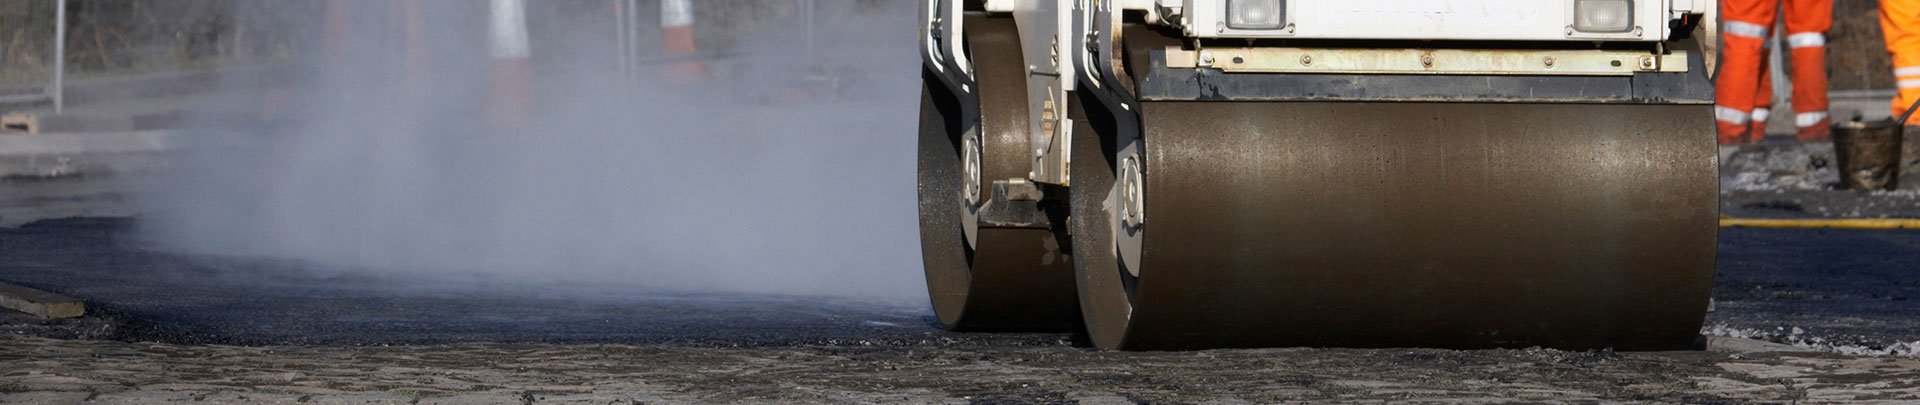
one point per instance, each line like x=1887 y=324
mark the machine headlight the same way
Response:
x=1256 y=14
x=1602 y=15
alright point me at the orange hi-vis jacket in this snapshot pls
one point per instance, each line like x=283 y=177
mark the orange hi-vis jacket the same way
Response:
x=1900 y=23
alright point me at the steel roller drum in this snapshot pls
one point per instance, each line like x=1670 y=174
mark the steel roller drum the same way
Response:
x=1008 y=279
x=1358 y=224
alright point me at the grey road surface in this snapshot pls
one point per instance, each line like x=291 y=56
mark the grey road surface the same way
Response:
x=1804 y=315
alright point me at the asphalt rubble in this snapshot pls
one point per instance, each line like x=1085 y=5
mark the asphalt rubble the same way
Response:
x=1787 y=179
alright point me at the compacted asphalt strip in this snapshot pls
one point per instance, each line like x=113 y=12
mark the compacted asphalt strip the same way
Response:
x=1836 y=287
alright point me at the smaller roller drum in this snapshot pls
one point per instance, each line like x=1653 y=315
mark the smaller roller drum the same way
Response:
x=982 y=277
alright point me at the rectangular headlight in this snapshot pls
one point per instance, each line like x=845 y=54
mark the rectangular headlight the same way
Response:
x=1602 y=15
x=1256 y=14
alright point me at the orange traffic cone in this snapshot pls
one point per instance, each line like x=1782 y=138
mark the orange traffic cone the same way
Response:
x=335 y=38
x=418 y=55
x=509 y=65
x=676 y=37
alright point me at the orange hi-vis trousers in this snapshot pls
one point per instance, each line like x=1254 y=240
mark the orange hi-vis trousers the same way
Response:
x=1900 y=23
x=1741 y=89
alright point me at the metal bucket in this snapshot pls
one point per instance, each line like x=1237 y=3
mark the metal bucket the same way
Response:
x=1868 y=154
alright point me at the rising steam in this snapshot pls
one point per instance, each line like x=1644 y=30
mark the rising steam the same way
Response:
x=789 y=172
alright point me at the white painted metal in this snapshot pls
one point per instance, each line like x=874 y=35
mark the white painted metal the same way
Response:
x=1696 y=7
x=1585 y=62
x=956 y=48
x=1503 y=20
x=1046 y=27
x=929 y=25
x=942 y=27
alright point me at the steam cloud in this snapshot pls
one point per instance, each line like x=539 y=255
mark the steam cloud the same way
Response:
x=723 y=185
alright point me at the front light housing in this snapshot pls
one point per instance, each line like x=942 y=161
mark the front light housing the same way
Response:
x=1256 y=14
x=1602 y=15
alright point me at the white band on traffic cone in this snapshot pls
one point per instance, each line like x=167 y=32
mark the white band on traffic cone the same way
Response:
x=508 y=29
x=510 y=70
x=676 y=13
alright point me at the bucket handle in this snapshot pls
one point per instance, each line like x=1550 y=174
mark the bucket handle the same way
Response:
x=1902 y=123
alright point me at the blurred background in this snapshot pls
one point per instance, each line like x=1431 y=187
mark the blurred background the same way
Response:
x=756 y=145
x=742 y=146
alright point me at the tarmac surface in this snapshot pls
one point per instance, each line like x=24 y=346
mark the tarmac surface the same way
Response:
x=164 y=297
x=1855 y=289
x=1800 y=315
x=180 y=327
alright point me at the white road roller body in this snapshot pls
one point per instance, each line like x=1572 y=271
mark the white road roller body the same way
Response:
x=1229 y=173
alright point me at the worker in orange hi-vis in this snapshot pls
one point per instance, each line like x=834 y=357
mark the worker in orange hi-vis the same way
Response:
x=1900 y=24
x=1738 y=88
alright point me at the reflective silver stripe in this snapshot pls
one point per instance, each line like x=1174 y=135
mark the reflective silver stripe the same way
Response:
x=1729 y=114
x=1907 y=71
x=1909 y=83
x=1746 y=29
x=1806 y=40
x=1809 y=119
x=1761 y=114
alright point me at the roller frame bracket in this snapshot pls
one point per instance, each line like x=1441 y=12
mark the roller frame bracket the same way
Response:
x=1590 y=62
x=1166 y=83
x=1019 y=203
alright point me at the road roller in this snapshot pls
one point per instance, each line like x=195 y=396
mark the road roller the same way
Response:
x=1192 y=174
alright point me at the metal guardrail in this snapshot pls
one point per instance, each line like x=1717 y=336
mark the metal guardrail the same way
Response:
x=150 y=85
x=20 y=99
x=59 y=87
x=1869 y=93
x=54 y=91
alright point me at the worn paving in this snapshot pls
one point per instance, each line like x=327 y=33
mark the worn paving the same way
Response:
x=141 y=372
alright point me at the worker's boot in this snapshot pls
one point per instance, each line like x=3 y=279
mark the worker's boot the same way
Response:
x=1757 y=132
x=1733 y=139
x=1733 y=134
x=1818 y=132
